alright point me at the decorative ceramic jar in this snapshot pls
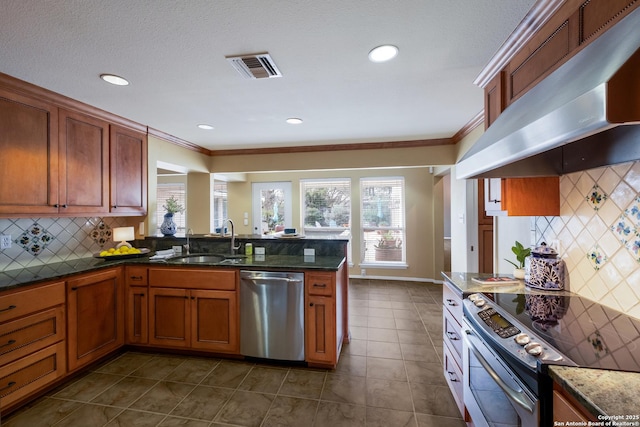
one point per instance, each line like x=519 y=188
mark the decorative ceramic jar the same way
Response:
x=545 y=270
x=168 y=227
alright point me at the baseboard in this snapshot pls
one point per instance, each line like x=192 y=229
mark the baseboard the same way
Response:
x=399 y=279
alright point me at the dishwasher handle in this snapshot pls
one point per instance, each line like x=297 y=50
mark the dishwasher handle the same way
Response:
x=256 y=278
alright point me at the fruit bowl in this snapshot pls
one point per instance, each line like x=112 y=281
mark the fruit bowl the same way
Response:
x=122 y=253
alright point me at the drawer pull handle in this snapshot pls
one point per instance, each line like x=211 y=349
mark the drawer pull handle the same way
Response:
x=75 y=288
x=136 y=277
x=9 y=385
x=453 y=336
x=11 y=307
x=452 y=376
x=451 y=302
x=10 y=342
x=319 y=285
x=139 y=295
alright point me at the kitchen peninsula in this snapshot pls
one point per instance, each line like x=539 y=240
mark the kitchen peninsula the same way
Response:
x=61 y=318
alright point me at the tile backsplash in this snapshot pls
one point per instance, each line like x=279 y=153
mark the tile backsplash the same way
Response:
x=39 y=241
x=599 y=234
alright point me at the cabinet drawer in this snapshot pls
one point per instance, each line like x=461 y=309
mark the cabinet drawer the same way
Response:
x=29 y=334
x=452 y=301
x=29 y=374
x=451 y=332
x=453 y=375
x=187 y=278
x=137 y=275
x=29 y=301
x=319 y=284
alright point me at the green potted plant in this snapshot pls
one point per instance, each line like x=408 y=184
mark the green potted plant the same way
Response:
x=388 y=247
x=168 y=226
x=521 y=254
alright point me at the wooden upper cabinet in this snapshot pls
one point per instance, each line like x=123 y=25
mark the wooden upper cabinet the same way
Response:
x=574 y=25
x=128 y=171
x=84 y=164
x=521 y=196
x=494 y=99
x=29 y=160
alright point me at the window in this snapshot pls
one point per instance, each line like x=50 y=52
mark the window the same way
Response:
x=326 y=207
x=382 y=220
x=165 y=191
x=218 y=205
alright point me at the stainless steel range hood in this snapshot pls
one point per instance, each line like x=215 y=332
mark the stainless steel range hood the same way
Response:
x=583 y=115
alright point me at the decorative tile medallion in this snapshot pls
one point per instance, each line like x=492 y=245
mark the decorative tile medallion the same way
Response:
x=596 y=197
x=101 y=234
x=596 y=257
x=35 y=239
x=623 y=229
x=634 y=246
x=633 y=211
x=598 y=344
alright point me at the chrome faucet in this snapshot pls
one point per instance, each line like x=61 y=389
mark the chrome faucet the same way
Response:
x=188 y=246
x=234 y=248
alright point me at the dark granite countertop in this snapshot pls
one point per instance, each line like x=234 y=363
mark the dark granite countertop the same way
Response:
x=602 y=392
x=464 y=283
x=11 y=279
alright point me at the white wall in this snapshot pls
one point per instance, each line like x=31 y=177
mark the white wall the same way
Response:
x=506 y=230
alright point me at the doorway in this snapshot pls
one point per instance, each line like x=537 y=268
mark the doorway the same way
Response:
x=271 y=205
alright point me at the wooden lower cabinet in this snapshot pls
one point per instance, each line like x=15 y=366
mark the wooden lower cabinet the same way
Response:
x=95 y=316
x=200 y=319
x=32 y=342
x=31 y=373
x=326 y=325
x=567 y=408
x=137 y=315
x=320 y=326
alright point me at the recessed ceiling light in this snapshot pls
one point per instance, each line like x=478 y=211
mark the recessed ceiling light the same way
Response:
x=205 y=126
x=383 y=53
x=114 y=80
x=294 y=121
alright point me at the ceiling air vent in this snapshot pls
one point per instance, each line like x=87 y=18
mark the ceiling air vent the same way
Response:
x=258 y=66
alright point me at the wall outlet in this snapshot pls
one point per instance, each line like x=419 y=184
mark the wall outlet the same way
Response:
x=309 y=252
x=5 y=241
x=363 y=272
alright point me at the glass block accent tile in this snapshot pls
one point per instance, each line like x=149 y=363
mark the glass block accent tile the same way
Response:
x=596 y=197
x=35 y=239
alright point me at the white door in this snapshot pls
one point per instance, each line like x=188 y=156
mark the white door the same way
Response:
x=271 y=204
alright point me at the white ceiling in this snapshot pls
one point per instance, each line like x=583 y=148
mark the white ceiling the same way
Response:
x=173 y=53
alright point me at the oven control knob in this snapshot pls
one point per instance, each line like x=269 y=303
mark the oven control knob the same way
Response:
x=479 y=302
x=533 y=348
x=473 y=297
x=522 y=339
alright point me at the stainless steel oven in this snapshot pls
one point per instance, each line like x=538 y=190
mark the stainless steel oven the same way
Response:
x=494 y=395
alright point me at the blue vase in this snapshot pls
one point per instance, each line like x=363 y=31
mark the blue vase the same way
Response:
x=168 y=227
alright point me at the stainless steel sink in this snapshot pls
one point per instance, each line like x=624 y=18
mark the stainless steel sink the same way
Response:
x=206 y=259
x=196 y=259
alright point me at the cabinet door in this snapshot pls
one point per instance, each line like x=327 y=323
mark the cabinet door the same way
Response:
x=169 y=317
x=320 y=333
x=128 y=171
x=29 y=160
x=137 y=315
x=84 y=164
x=95 y=308
x=214 y=321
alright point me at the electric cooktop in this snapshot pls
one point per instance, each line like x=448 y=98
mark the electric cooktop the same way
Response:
x=590 y=334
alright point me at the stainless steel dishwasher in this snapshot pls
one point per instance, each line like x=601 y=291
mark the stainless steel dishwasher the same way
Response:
x=272 y=315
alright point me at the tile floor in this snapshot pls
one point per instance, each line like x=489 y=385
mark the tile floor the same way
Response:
x=389 y=375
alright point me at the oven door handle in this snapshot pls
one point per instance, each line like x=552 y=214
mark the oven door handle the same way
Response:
x=517 y=396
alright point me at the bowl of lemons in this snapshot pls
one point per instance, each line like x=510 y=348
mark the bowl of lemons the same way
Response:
x=122 y=252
